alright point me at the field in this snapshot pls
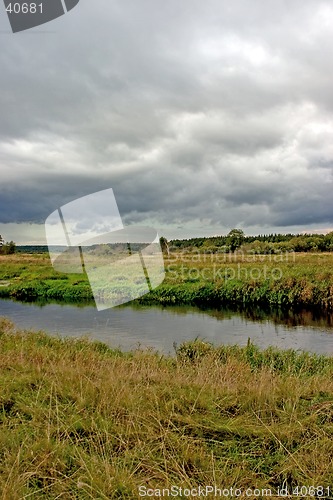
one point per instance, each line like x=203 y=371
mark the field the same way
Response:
x=79 y=420
x=291 y=279
x=32 y=277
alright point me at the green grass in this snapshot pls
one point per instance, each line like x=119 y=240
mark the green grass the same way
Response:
x=31 y=277
x=208 y=280
x=80 y=420
x=287 y=280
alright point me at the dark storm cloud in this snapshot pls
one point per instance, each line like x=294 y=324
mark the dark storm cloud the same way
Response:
x=211 y=111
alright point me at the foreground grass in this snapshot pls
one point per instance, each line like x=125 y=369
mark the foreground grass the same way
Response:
x=79 y=420
x=287 y=280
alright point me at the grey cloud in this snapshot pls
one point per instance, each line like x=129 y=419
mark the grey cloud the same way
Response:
x=211 y=111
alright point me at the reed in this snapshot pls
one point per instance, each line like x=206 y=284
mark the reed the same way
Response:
x=82 y=420
x=301 y=280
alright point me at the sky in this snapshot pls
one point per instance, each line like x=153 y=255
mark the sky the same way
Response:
x=201 y=116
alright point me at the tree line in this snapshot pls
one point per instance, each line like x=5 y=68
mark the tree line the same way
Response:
x=261 y=244
x=233 y=241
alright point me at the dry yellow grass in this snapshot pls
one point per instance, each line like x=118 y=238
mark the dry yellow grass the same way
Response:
x=79 y=420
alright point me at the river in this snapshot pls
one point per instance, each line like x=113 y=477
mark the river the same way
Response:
x=131 y=326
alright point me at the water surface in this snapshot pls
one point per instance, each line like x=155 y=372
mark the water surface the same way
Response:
x=160 y=327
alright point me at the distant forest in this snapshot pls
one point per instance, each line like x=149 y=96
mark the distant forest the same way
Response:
x=236 y=240
x=261 y=244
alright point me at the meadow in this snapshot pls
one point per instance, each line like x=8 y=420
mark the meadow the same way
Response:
x=31 y=277
x=285 y=280
x=80 y=420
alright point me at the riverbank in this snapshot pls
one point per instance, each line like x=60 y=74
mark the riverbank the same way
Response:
x=288 y=280
x=79 y=419
x=31 y=277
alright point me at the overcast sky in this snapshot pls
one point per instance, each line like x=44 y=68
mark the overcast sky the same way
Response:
x=202 y=116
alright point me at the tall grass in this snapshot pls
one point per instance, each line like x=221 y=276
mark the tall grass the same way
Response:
x=29 y=277
x=80 y=420
x=302 y=280
x=285 y=281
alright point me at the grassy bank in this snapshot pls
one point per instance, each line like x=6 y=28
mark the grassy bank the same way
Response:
x=279 y=280
x=79 y=420
x=32 y=277
x=211 y=280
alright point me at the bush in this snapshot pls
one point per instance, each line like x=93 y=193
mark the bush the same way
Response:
x=8 y=248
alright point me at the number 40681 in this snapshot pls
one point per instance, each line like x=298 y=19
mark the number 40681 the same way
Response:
x=25 y=8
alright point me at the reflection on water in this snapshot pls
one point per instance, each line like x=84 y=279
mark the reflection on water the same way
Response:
x=292 y=317
x=159 y=327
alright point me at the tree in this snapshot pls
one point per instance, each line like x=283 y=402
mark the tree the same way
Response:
x=8 y=247
x=164 y=245
x=327 y=244
x=235 y=238
x=11 y=247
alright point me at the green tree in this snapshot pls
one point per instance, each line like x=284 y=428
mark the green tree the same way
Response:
x=235 y=239
x=164 y=245
x=8 y=247
x=327 y=244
